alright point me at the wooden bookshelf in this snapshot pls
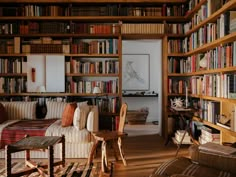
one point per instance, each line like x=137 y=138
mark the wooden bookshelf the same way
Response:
x=226 y=135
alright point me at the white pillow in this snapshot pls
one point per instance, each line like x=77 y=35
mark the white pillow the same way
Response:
x=92 y=121
x=80 y=116
x=17 y=110
x=83 y=103
x=55 y=109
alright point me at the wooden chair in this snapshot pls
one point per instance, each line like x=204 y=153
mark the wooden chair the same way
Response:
x=113 y=136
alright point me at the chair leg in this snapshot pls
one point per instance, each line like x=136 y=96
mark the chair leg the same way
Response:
x=91 y=155
x=121 y=151
x=115 y=150
x=104 y=157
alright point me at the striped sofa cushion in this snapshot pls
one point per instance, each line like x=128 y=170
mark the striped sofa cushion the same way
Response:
x=184 y=167
x=55 y=109
x=17 y=110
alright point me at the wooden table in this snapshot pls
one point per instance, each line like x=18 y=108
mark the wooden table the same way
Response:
x=183 y=114
x=35 y=143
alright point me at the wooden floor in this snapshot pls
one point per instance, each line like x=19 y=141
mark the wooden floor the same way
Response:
x=143 y=154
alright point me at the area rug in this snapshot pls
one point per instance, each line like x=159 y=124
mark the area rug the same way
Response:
x=71 y=169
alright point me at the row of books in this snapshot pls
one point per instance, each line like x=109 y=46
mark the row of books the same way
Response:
x=215 y=85
x=108 y=105
x=177 y=28
x=212 y=31
x=142 y=28
x=220 y=57
x=177 y=86
x=177 y=65
x=210 y=111
x=13 y=84
x=92 y=67
x=58 y=27
x=108 y=46
x=13 y=65
x=99 y=10
x=178 y=46
x=206 y=10
x=76 y=85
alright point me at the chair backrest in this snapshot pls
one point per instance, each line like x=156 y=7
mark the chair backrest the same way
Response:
x=123 y=112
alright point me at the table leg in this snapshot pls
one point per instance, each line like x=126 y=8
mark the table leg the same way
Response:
x=50 y=161
x=8 y=160
x=63 y=151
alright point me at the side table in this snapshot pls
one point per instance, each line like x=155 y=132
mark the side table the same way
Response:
x=182 y=113
x=35 y=143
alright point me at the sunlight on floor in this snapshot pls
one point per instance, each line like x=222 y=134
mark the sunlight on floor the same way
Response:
x=142 y=129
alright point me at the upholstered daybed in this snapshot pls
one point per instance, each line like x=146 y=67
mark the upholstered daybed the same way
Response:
x=75 y=120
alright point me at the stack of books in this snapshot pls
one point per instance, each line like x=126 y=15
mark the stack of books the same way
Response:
x=179 y=135
x=209 y=134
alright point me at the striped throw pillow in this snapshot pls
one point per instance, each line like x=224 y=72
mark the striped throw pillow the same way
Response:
x=55 y=109
x=17 y=110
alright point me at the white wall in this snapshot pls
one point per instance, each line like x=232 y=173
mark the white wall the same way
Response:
x=154 y=49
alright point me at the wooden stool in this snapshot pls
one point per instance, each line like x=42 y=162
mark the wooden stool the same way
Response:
x=35 y=143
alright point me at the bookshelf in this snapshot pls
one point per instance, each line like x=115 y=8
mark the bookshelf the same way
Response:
x=211 y=85
x=79 y=24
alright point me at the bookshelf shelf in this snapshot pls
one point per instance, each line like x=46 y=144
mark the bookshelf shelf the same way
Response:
x=13 y=74
x=232 y=133
x=224 y=40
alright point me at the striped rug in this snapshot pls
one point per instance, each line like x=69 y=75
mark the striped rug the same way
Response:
x=71 y=169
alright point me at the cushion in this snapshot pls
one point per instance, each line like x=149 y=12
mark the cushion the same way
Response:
x=55 y=109
x=82 y=103
x=92 y=120
x=17 y=110
x=72 y=134
x=184 y=166
x=3 y=114
x=80 y=116
x=68 y=114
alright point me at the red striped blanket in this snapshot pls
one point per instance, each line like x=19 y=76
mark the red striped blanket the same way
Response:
x=16 y=131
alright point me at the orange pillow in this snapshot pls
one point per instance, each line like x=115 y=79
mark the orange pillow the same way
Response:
x=68 y=114
x=3 y=113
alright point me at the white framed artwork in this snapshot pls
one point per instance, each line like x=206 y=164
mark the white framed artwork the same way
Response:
x=135 y=72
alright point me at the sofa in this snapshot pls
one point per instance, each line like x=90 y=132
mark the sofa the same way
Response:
x=76 y=121
x=206 y=160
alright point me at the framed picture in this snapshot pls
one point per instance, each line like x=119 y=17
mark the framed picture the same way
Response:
x=135 y=71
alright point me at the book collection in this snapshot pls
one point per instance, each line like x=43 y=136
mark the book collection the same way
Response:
x=99 y=46
x=209 y=134
x=145 y=28
x=98 y=10
x=13 y=65
x=10 y=85
x=76 y=85
x=57 y=27
x=92 y=67
x=179 y=135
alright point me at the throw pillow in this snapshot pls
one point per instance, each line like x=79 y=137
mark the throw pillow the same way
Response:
x=92 y=121
x=55 y=109
x=68 y=114
x=83 y=103
x=17 y=110
x=3 y=113
x=80 y=117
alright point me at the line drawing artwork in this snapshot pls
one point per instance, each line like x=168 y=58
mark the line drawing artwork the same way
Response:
x=135 y=72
